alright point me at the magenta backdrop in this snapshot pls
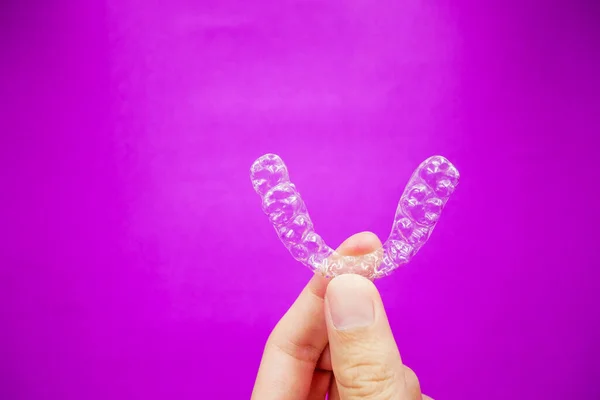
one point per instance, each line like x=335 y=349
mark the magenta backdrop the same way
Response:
x=135 y=260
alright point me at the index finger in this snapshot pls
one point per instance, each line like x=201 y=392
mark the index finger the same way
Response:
x=296 y=343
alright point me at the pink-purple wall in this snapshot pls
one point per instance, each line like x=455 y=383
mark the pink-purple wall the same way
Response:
x=135 y=262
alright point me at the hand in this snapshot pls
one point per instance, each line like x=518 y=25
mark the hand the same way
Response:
x=336 y=339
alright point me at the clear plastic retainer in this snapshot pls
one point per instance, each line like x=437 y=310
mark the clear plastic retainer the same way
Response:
x=418 y=211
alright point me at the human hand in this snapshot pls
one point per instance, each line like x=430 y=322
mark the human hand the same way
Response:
x=335 y=339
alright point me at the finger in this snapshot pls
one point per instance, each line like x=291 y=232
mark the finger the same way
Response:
x=334 y=393
x=412 y=384
x=359 y=244
x=296 y=343
x=364 y=355
x=324 y=362
x=319 y=385
x=413 y=388
x=294 y=347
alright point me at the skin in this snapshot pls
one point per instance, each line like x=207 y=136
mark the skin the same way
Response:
x=307 y=357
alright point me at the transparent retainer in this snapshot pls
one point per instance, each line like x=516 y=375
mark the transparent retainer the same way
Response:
x=418 y=211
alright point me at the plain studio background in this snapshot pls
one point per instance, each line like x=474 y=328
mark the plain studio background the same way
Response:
x=135 y=261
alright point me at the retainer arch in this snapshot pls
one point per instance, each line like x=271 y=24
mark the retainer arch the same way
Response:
x=417 y=214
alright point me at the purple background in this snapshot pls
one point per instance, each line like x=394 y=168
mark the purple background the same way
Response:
x=135 y=260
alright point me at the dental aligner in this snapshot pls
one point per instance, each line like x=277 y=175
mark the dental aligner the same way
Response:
x=418 y=211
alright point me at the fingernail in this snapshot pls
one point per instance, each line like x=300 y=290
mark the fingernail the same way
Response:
x=350 y=299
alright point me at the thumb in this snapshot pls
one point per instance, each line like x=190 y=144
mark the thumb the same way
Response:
x=364 y=356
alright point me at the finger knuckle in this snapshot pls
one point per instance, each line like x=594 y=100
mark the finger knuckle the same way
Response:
x=299 y=350
x=367 y=379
